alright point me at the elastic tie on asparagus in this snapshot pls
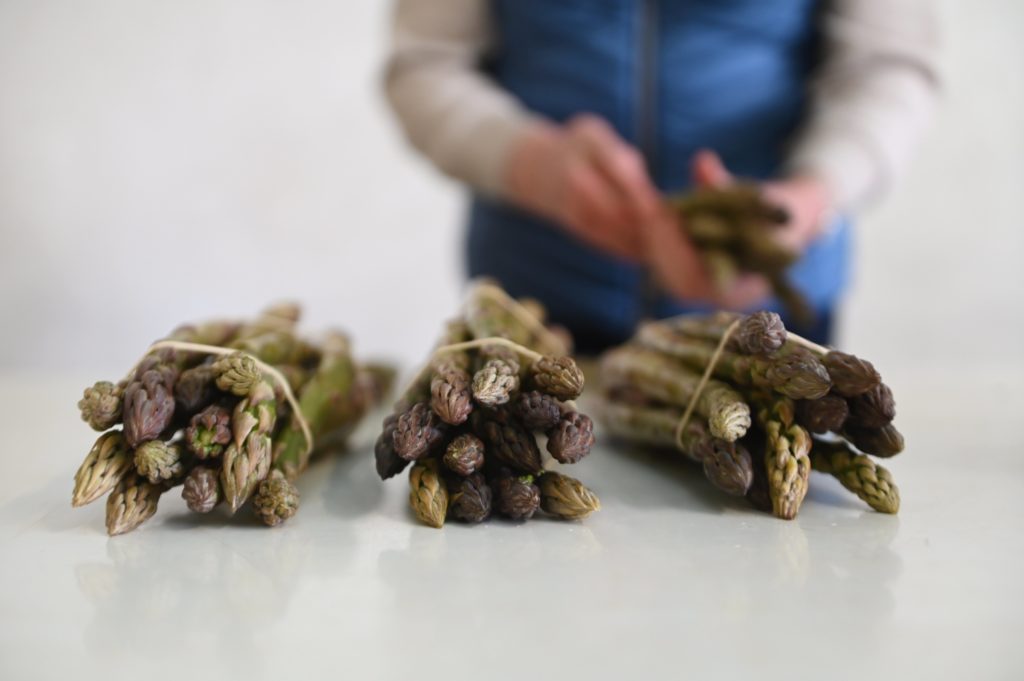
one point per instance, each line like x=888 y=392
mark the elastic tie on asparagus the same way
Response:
x=532 y=355
x=716 y=356
x=268 y=370
x=708 y=370
x=513 y=307
x=810 y=345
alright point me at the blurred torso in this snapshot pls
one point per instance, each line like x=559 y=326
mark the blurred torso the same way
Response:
x=672 y=77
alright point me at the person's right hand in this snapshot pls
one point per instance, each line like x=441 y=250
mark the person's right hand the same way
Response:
x=588 y=179
x=680 y=271
x=585 y=177
x=676 y=263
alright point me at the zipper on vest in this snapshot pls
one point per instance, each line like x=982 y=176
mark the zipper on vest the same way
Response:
x=646 y=118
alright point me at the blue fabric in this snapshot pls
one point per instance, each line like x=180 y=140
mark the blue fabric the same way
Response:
x=672 y=77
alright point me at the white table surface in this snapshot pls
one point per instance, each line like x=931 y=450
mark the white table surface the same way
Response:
x=669 y=580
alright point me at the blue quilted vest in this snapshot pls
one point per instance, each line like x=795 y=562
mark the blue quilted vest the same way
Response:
x=672 y=77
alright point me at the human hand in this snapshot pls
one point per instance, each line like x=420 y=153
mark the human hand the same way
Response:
x=804 y=197
x=588 y=179
x=681 y=272
x=679 y=267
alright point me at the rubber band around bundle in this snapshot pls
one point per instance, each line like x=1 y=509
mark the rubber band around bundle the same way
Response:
x=516 y=309
x=511 y=305
x=708 y=370
x=713 y=362
x=268 y=370
x=533 y=355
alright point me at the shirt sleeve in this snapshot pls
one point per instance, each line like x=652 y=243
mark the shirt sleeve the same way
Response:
x=871 y=97
x=449 y=109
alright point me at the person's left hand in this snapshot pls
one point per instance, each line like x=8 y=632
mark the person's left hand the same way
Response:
x=804 y=197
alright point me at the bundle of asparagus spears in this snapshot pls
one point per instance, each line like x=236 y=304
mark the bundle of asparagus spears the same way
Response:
x=469 y=421
x=229 y=410
x=732 y=230
x=775 y=408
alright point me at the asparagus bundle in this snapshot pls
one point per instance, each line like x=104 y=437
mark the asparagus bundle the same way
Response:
x=468 y=424
x=221 y=424
x=775 y=408
x=731 y=228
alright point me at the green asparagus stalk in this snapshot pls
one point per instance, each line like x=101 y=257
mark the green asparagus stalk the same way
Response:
x=149 y=399
x=201 y=490
x=786 y=457
x=566 y=497
x=647 y=425
x=275 y=347
x=882 y=442
x=195 y=388
x=857 y=473
x=237 y=373
x=276 y=499
x=558 y=376
x=158 y=461
x=247 y=458
x=451 y=395
x=218 y=332
x=428 y=495
x=799 y=376
x=664 y=379
x=101 y=405
x=132 y=502
x=486 y=317
x=494 y=383
x=760 y=333
x=328 y=402
x=727 y=465
x=108 y=461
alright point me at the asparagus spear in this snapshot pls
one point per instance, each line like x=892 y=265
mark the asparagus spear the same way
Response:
x=507 y=441
x=108 y=461
x=470 y=498
x=727 y=465
x=159 y=461
x=571 y=438
x=665 y=380
x=201 y=490
x=800 y=376
x=786 y=456
x=149 y=399
x=428 y=495
x=132 y=502
x=451 y=396
x=559 y=377
x=328 y=403
x=566 y=497
x=101 y=405
x=495 y=381
x=857 y=473
x=516 y=497
x=276 y=499
x=247 y=458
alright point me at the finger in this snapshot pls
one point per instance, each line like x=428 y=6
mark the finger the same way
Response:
x=749 y=290
x=625 y=169
x=708 y=170
x=675 y=261
x=595 y=214
x=620 y=163
x=591 y=192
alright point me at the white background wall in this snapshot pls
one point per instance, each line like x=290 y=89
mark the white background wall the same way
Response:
x=163 y=161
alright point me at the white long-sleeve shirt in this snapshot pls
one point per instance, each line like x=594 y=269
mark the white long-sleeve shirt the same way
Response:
x=871 y=96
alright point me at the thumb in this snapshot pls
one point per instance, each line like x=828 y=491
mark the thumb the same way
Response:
x=708 y=170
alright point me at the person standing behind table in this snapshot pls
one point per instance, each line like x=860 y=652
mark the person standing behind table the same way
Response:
x=568 y=119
